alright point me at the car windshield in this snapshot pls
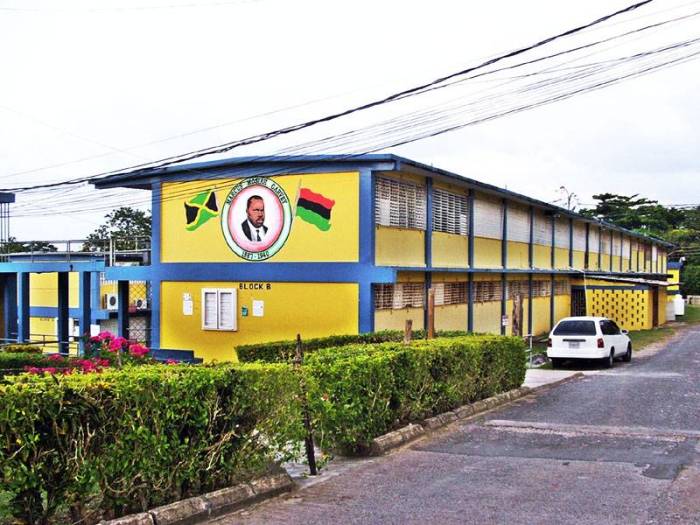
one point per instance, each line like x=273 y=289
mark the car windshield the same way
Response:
x=575 y=328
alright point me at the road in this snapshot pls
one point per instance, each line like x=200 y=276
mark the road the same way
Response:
x=618 y=446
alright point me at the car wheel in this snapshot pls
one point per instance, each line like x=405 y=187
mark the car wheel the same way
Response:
x=610 y=360
x=557 y=362
x=628 y=355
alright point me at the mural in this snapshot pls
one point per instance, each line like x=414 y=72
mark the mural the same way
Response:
x=199 y=209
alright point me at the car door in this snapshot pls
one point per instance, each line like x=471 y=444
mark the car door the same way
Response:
x=608 y=335
x=620 y=339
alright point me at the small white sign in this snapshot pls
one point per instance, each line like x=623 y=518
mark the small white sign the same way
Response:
x=258 y=308
x=94 y=330
x=505 y=321
x=187 y=304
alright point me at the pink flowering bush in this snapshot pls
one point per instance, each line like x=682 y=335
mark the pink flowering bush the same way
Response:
x=117 y=350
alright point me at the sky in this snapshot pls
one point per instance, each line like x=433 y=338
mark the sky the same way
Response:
x=88 y=87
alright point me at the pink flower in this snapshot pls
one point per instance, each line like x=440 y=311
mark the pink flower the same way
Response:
x=102 y=336
x=118 y=344
x=32 y=370
x=55 y=357
x=138 y=350
x=172 y=362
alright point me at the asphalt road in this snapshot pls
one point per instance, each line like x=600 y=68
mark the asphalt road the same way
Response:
x=618 y=446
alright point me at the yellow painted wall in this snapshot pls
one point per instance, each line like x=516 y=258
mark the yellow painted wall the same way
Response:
x=542 y=256
x=305 y=243
x=399 y=247
x=449 y=250
x=605 y=262
x=487 y=253
x=396 y=319
x=616 y=263
x=673 y=288
x=579 y=259
x=451 y=317
x=487 y=317
x=561 y=258
x=663 y=298
x=634 y=261
x=313 y=310
x=518 y=255
x=43 y=289
x=562 y=307
x=540 y=315
x=44 y=329
x=630 y=309
x=625 y=264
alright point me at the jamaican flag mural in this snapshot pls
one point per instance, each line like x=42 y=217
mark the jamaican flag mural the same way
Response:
x=314 y=208
x=200 y=209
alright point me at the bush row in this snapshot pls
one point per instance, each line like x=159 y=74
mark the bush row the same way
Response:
x=15 y=362
x=283 y=351
x=104 y=445
x=359 y=392
x=20 y=347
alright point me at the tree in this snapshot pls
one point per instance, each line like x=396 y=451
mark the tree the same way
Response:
x=13 y=246
x=126 y=226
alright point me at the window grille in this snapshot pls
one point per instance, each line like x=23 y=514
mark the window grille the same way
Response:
x=543 y=229
x=617 y=245
x=561 y=233
x=398 y=296
x=647 y=253
x=594 y=239
x=399 y=203
x=605 y=242
x=486 y=291
x=450 y=293
x=518 y=223
x=219 y=309
x=626 y=248
x=579 y=236
x=517 y=288
x=450 y=212
x=541 y=288
x=488 y=217
x=561 y=288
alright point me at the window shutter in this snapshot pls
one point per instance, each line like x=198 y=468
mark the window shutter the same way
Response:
x=399 y=203
x=579 y=236
x=561 y=233
x=518 y=223
x=543 y=229
x=594 y=239
x=488 y=217
x=227 y=309
x=450 y=212
x=210 y=317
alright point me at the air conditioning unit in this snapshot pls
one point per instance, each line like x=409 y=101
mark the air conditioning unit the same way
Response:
x=111 y=301
x=141 y=304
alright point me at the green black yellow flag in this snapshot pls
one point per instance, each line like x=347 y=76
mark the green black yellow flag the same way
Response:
x=200 y=209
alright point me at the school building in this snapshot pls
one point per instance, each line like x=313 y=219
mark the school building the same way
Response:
x=259 y=249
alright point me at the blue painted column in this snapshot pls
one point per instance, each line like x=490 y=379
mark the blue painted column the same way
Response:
x=531 y=241
x=63 y=313
x=85 y=288
x=123 y=309
x=366 y=249
x=470 y=262
x=587 y=256
x=529 y=303
x=10 y=307
x=552 y=253
x=470 y=302
x=504 y=263
x=551 y=304
x=23 y=306
x=426 y=287
x=600 y=248
x=612 y=240
x=156 y=231
x=95 y=298
x=504 y=300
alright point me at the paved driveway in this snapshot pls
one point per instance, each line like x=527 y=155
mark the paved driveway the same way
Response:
x=617 y=446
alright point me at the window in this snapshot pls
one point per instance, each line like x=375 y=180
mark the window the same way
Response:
x=541 y=288
x=399 y=203
x=575 y=328
x=561 y=233
x=450 y=212
x=487 y=291
x=518 y=223
x=219 y=309
x=609 y=328
x=579 y=236
x=542 y=229
x=561 y=288
x=398 y=296
x=488 y=217
x=450 y=293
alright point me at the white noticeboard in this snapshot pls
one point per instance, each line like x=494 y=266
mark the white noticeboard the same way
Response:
x=187 y=304
x=505 y=321
x=258 y=308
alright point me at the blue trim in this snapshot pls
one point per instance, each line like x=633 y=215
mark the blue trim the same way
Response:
x=529 y=304
x=429 y=223
x=673 y=292
x=504 y=235
x=470 y=302
x=618 y=287
x=612 y=241
x=52 y=311
x=63 y=312
x=504 y=295
x=10 y=309
x=7 y=198
x=552 y=253
x=123 y=309
x=47 y=267
x=23 y=306
x=427 y=284
x=155 y=313
x=96 y=301
x=366 y=316
x=366 y=212
x=130 y=273
x=551 y=304
x=470 y=239
x=531 y=240
x=587 y=254
x=85 y=316
x=600 y=249
x=156 y=222
x=673 y=265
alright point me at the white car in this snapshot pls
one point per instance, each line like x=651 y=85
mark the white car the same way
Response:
x=588 y=338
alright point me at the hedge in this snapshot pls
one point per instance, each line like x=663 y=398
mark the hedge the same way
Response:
x=21 y=347
x=283 y=351
x=104 y=445
x=16 y=362
x=359 y=392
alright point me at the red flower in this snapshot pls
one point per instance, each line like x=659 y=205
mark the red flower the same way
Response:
x=172 y=362
x=118 y=344
x=138 y=350
x=55 y=357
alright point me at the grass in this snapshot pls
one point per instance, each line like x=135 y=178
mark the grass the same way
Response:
x=643 y=338
x=692 y=314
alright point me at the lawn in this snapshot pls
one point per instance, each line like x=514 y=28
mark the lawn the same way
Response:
x=692 y=314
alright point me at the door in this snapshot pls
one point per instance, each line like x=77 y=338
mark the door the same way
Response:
x=578 y=302
x=654 y=306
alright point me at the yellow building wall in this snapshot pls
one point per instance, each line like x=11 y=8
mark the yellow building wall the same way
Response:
x=542 y=256
x=313 y=310
x=663 y=298
x=605 y=262
x=625 y=264
x=451 y=317
x=518 y=255
x=449 y=250
x=487 y=317
x=399 y=247
x=562 y=306
x=396 y=319
x=672 y=289
x=616 y=263
x=540 y=315
x=487 y=253
x=43 y=289
x=305 y=242
x=579 y=259
x=630 y=309
x=44 y=329
x=561 y=258
x=137 y=290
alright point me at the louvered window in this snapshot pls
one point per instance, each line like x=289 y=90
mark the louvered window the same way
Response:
x=579 y=236
x=543 y=229
x=594 y=239
x=487 y=291
x=626 y=248
x=450 y=212
x=399 y=203
x=219 y=309
x=450 y=293
x=488 y=217
x=616 y=244
x=654 y=254
x=561 y=233
x=647 y=253
x=605 y=242
x=518 y=223
x=398 y=296
x=517 y=288
x=561 y=288
x=541 y=288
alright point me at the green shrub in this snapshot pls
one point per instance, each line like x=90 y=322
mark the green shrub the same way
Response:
x=16 y=362
x=131 y=439
x=21 y=348
x=359 y=392
x=283 y=351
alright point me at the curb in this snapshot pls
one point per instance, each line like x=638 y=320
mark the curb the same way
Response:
x=572 y=377
x=383 y=444
x=213 y=504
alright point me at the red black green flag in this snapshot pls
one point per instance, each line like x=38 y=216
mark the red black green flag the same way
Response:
x=314 y=208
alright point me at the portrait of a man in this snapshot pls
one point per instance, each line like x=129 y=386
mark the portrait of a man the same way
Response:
x=253 y=226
